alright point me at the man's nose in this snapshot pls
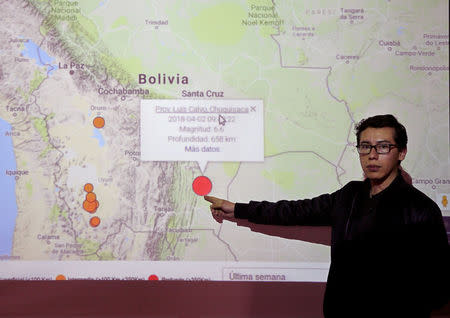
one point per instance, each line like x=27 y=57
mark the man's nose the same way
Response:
x=373 y=154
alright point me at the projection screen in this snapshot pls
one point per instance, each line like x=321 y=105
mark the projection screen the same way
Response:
x=117 y=117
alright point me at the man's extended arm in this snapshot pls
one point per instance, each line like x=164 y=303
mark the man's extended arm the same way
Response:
x=316 y=211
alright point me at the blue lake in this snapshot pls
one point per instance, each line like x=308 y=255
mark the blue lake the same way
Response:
x=33 y=51
x=400 y=30
x=98 y=135
x=8 y=204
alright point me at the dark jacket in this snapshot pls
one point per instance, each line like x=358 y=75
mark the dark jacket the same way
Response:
x=399 y=265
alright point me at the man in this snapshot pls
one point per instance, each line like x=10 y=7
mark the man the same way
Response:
x=389 y=248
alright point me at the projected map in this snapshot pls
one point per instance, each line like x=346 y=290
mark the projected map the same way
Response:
x=81 y=197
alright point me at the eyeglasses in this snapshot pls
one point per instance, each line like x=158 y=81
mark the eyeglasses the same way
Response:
x=381 y=149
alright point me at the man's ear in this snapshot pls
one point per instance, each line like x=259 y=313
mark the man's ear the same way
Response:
x=402 y=154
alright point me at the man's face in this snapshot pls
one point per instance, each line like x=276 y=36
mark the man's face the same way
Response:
x=380 y=168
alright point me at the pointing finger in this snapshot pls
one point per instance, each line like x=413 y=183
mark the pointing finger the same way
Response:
x=216 y=203
x=210 y=198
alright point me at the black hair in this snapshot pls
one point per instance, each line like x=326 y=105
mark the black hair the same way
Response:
x=381 y=121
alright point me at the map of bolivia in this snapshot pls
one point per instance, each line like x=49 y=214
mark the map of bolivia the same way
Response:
x=318 y=68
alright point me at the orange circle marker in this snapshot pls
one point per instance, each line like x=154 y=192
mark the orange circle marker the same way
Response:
x=88 y=187
x=94 y=221
x=91 y=197
x=99 y=122
x=91 y=207
x=60 y=277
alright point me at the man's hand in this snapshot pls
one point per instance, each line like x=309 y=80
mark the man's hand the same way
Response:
x=220 y=208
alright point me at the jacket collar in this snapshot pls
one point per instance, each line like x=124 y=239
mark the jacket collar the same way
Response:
x=395 y=185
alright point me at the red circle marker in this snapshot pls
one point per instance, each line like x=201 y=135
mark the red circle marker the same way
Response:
x=153 y=277
x=202 y=185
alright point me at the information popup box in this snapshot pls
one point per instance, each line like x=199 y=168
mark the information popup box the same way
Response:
x=202 y=130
